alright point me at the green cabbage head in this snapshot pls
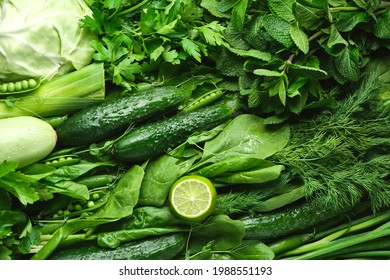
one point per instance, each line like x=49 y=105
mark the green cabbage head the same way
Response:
x=43 y=38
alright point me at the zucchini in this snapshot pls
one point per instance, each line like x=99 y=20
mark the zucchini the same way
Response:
x=113 y=116
x=154 y=248
x=155 y=138
x=292 y=219
x=25 y=140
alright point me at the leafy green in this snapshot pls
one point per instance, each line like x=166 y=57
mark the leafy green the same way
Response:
x=124 y=196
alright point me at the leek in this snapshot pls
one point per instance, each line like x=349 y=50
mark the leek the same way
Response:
x=60 y=96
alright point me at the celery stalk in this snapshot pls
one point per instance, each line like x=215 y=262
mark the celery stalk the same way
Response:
x=60 y=96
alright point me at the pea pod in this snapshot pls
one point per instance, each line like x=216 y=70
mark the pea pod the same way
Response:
x=22 y=86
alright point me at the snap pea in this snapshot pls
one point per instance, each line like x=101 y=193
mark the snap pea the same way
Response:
x=62 y=161
x=203 y=100
x=15 y=87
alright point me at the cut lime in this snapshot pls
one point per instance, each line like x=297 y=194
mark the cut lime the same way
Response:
x=192 y=198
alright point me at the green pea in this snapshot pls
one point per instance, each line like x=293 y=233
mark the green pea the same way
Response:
x=24 y=84
x=10 y=87
x=4 y=87
x=18 y=85
x=90 y=204
x=32 y=83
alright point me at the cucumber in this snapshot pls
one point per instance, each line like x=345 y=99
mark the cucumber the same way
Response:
x=291 y=219
x=155 y=138
x=25 y=140
x=113 y=116
x=163 y=247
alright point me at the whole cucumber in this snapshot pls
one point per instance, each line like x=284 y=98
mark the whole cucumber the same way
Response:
x=163 y=247
x=292 y=219
x=155 y=138
x=110 y=118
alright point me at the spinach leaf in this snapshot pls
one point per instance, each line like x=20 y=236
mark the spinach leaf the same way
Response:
x=124 y=196
x=223 y=232
x=74 y=171
x=245 y=136
x=160 y=174
x=256 y=176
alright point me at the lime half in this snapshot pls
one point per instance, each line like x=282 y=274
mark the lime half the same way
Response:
x=192 y=198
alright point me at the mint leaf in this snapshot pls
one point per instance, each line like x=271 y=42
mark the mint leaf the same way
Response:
x=278 y=28
x=307 y=71
x=282 y=8
x=212 y=6
x=267 y=73
x=225 y=5
x=308 y=18
x=251 y=53
x=239 y=14
x=382 y=28
x=347 y=63
x=346 y=21
x=299 y=37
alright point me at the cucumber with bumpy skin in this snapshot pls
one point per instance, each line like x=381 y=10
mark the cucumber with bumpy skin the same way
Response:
x=112 y=117
x=155 y=138
x=292 y=219
x=155 y=248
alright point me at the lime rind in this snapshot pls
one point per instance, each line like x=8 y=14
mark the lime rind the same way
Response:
x=193 y=198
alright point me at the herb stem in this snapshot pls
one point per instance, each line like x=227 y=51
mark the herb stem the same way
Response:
x=135 y=7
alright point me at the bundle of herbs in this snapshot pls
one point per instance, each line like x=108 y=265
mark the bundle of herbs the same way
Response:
x=339 y=154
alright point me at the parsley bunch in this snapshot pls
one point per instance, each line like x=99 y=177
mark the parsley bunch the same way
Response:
x=280 y=56
x=136 y=38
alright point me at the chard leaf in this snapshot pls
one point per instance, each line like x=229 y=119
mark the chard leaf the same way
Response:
x=278 y=28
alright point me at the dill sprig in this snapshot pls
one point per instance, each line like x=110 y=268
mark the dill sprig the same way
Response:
x=341 y=154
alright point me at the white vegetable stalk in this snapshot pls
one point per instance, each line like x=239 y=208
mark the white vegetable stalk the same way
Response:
x=43 y=38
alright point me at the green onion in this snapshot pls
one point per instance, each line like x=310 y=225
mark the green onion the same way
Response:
x=60 y=96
